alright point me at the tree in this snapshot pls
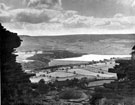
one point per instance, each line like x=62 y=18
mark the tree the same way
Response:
x=14 y=80
x=42 y=87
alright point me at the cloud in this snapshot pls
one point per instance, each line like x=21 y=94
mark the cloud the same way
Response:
x=4 y=7
x=31 y=16
x=58 y=29
x=5 y=18
x=124 y=20
x=67 y=19
x=42 y=17
x=53 y=20
x=28 y=15
x=4 y=15
x=133 y=4
x=56 y=4
x=118 y=15
x=71 y=19
x=119 y=22
x=25 y=2
x=126 y=2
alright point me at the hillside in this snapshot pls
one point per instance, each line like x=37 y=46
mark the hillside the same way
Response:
x=96 y=44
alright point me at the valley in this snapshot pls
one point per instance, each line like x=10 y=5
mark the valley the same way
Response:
x=73 y=65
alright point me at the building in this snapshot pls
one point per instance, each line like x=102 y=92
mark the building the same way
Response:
x=133 y=53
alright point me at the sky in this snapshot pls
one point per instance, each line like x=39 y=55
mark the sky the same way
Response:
x=64 y=17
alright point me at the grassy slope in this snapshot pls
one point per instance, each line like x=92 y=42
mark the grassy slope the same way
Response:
x=97 y=44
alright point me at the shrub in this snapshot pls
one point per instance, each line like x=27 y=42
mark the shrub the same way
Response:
x=71 y=94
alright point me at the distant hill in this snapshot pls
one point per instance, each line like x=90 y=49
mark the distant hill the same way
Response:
x=94 y=44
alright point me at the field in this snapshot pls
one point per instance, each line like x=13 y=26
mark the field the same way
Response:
x=92 y=72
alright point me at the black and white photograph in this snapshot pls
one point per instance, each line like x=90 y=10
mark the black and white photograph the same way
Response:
x=67 y=52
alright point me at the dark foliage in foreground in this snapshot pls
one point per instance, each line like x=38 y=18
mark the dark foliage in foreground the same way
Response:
x=71 y=94
x=120 y=92
x=16 y=87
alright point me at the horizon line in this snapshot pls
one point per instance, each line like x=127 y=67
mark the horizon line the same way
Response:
x=78 y=34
